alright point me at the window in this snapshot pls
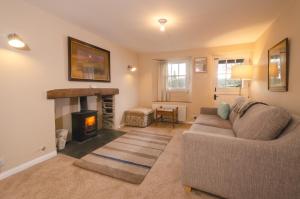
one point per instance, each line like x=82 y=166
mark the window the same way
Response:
x=224 y=73
x=177 y=76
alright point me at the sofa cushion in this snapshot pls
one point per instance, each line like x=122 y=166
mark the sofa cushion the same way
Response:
x=140 y=111
x=213 y=120
x=223 y=110
x=212 y=129
x=261 y=122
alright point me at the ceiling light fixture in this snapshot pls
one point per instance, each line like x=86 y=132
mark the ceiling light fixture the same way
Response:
x=162 y=23
x=15 y=41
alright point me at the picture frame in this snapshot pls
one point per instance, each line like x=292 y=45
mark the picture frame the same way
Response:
x=278 y=67
x=200 y=64
x=87 y=62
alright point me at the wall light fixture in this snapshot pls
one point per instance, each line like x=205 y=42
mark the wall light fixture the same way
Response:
x=132 y=68
x=15 y=41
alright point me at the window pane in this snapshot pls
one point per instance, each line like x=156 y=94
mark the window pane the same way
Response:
x=240 y=61
x=177 y=76
x=233 y=83
x=172 y=82
x=182 y=82
x=221 y=68
x=182 y=69
x=221 y=76
x=169 y=83
x=224 y=73
x=221 y=83
x=169 y=69
x=229 y=67
x=174 y=69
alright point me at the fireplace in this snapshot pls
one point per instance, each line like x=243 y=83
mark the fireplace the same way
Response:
x=84 y=122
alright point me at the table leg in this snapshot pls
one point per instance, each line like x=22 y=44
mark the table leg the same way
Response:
x=173 y=118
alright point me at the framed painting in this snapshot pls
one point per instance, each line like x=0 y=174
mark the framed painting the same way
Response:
x=88 y=62
x=278 y=67
x=200 y=64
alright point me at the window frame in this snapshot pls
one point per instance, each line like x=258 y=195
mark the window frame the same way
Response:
x=187 y=76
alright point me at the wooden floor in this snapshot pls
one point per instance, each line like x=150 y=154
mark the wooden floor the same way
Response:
x=57 y=178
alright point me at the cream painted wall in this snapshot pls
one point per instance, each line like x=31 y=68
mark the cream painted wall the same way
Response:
x=27 y=120
x=202 y=83
x=286 y=26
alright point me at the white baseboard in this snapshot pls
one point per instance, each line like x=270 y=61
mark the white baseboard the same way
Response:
x=27 y=165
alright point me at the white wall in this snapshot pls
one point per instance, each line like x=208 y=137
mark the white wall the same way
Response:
x=287 y=25
x=27 y=120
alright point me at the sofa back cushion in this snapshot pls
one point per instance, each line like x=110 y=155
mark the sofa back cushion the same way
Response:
x=261 y=122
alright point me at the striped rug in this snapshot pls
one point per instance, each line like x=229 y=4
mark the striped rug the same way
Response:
x=129 y=157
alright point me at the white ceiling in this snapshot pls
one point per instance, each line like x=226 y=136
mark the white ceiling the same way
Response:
x=191 y=23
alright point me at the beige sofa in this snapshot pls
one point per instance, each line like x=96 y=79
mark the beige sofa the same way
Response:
x=230 y=159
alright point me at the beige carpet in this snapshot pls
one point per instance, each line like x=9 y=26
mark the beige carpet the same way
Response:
x=129 y=157
x=58 y=178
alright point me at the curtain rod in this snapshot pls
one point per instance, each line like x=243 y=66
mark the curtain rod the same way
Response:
x=171 y=59
x=159 y=60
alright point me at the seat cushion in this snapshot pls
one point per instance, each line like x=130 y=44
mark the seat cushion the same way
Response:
x=211 y=129
x=261 y=122
x=213 y=120
x=141 y=111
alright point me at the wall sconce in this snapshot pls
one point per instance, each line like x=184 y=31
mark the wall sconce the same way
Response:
x=131 y=68
x=15 y=41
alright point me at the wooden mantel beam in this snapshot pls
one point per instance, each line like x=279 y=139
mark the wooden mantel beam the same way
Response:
x=79 y=92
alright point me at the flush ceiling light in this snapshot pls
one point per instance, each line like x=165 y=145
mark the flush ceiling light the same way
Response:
x=162 y=23
x=131 y=68
x=15 y=41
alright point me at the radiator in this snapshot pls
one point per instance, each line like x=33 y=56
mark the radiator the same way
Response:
x=182 y=108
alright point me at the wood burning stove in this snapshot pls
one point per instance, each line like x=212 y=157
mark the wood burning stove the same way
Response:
x=84 y=122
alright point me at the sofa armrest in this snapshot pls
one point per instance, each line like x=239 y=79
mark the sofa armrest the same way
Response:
x=209 y=110
x=239 y=168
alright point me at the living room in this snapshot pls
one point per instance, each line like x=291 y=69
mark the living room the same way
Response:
x=178 y=100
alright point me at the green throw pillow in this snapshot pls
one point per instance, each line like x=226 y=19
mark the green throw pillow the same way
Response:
x=224 y=110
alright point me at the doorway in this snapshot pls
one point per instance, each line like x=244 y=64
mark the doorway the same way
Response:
x=226 y=89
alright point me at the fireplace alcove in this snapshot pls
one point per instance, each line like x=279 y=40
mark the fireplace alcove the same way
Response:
x=95 y=126
x=87 y=123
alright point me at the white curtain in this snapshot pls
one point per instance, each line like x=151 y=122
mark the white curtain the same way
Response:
x=190 y=76
x=162 y=84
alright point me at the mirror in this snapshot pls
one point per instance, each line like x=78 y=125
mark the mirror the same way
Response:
x=278 y=67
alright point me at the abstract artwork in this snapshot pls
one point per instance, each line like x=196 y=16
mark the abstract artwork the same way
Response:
x=88 y=62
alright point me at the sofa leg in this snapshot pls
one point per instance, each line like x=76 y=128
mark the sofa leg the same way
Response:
x=187 y=189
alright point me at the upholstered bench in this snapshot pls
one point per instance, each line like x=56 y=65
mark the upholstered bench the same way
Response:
x=139 y=117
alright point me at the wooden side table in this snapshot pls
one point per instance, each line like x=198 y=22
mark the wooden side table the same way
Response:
x=172 y=113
